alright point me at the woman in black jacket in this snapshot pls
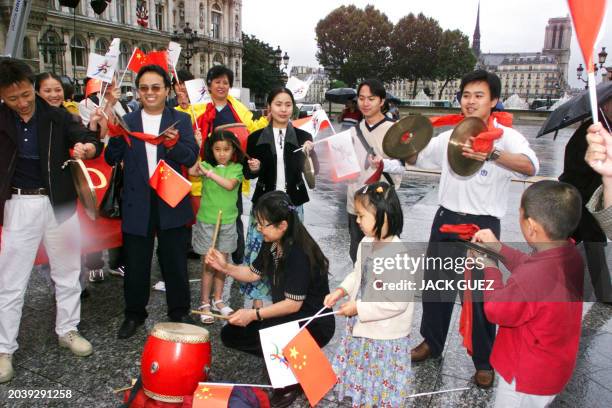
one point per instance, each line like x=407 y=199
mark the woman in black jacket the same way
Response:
x=280 y=168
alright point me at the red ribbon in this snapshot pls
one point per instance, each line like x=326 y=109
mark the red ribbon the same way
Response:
x=118 y=131
x=503 y=118
x=464 y=231
x=483 y=142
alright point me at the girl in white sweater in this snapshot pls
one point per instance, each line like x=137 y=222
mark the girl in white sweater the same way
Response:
x=373 y=359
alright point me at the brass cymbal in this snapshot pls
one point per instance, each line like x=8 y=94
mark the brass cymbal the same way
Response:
x=468 y=127
x=407 y=137
x=84 y=187
x=309 y=171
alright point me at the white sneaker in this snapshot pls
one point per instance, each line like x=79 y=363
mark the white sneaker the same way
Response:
x=76 y=343
x=161 y=286
x=6 y=367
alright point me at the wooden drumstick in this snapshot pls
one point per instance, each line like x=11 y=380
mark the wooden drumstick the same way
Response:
x=218 y=316
x=216 y=233
x=118 y=390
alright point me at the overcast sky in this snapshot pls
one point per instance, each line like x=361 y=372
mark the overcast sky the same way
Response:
x=505 y=25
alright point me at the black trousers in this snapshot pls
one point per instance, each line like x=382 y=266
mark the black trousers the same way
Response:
x=598 y=269
x=438 y=304
x=138 y=251
x=355 y=234
x=247 y=338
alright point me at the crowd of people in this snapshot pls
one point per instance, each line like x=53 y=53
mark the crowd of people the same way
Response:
x=518 y=331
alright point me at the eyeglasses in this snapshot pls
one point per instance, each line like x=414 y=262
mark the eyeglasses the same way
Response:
x=260 y=226
x=154 y=88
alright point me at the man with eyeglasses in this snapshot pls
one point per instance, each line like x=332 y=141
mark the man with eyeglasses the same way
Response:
x=144 y=214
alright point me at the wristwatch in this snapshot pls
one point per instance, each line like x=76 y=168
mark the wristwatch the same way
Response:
x=258 y=315
x=494 y=155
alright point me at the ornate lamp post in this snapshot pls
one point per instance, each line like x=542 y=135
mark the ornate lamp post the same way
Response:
x=51 y=47
x=602 y=56
x=281 y=62
x=188 y=37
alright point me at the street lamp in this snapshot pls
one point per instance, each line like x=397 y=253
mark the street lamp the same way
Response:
x=189 y=37
x=602 y=56
x=281 y=62
x=51 y=47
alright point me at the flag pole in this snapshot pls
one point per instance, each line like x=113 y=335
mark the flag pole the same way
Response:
x=593 y=95
x=234 y=385
x=126 y=67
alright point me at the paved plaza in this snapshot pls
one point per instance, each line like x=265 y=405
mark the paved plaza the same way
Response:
x=41 y=364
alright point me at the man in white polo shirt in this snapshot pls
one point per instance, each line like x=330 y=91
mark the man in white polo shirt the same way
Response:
x=480 y=199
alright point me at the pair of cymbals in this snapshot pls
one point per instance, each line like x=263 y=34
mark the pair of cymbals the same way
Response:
x=407 y=137
x=461 y=165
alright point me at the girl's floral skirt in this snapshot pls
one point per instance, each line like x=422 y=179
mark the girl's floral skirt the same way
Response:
x=373 y=372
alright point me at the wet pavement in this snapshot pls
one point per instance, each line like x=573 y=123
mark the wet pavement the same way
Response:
x=41 y=365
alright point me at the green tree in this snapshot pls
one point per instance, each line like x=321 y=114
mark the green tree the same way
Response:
x=258 y=73
x=455 y=57
x=355 y=42
x=414 y=46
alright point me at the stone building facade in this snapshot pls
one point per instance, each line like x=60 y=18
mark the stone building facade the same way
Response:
x=146 y=24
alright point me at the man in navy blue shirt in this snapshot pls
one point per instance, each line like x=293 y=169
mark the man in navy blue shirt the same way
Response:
x=38 y=204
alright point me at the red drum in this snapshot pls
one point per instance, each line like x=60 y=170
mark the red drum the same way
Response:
x=239 y=130
x=175 y=359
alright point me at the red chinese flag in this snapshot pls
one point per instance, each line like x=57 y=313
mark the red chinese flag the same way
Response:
x=138 y=60
x=212 y=396
x=310 y=366
x=587 y=16
x=170 y=185
x=158 y=58
x=93 y=86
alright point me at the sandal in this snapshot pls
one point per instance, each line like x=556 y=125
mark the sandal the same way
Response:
x=206 y=319
x=225 y=310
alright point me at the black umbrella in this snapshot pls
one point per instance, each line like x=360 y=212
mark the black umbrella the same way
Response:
x=392 y=98
x=575 y=110
x=340 y=95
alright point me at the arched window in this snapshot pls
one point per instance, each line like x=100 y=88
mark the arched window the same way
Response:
x=101 y=46
x=216 y=21
x=218 y=59
x=78 y=51
x=124 y=55
x=52 y=43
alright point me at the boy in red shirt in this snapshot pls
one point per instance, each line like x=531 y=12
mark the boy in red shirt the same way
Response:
x=539 y=308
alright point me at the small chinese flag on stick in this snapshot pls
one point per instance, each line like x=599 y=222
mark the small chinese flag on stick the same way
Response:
x=310 y=366
x=212 y=396
x=170 y=185
x=137 y=61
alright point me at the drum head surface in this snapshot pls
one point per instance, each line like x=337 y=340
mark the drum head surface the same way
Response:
x=468 y=127
x=180 y=332
x=84 y=188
